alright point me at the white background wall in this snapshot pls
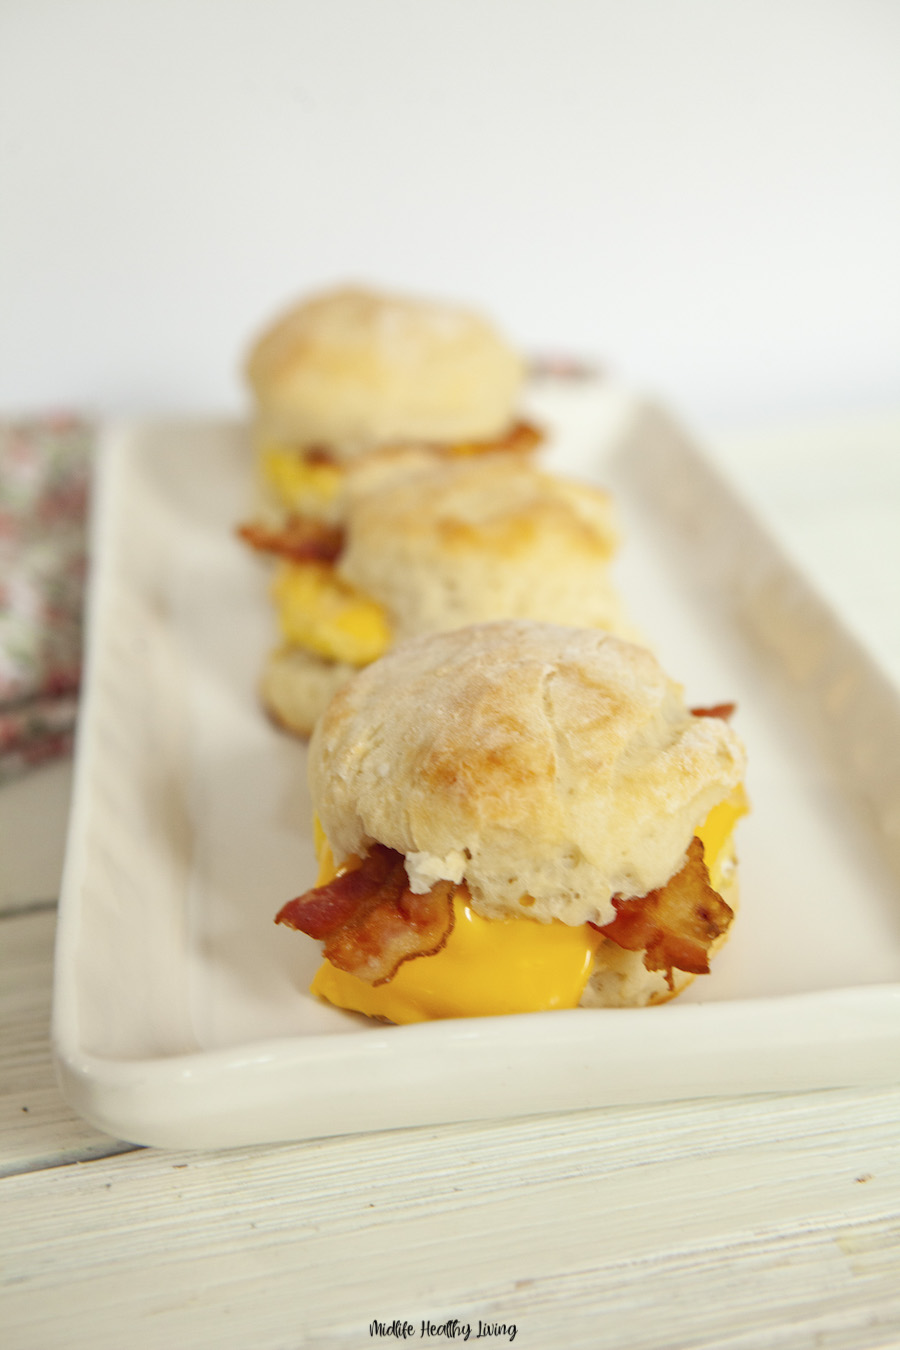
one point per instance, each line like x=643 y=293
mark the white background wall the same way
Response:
x=705 y=194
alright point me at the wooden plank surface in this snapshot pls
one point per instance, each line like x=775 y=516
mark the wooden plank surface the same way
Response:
x=744 y=1222
x=766 y=1221
x=37 y=1128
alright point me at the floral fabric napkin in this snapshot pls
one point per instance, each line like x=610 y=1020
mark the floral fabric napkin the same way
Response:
x=44 y=481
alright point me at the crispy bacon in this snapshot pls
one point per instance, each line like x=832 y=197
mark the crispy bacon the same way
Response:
x=318 y=454
x=723 y=710
x=520 y=438
x=300 y=538
x=369 y=919
x=676 y=925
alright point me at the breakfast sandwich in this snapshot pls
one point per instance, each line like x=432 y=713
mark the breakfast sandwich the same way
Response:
x=461 y=541
x=517 y=817
x=352 y=372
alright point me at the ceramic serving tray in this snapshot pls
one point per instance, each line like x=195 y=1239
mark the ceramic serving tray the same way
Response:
x=181 y=1012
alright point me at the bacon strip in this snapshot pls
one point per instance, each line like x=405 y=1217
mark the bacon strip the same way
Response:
x=300 y=538
x=676 y=925
x=723 y=710
x=520 y=438
x=370 y=920
x=318 y=454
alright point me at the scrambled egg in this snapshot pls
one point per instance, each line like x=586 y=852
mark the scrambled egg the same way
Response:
x=327 y=616
x=304 y=485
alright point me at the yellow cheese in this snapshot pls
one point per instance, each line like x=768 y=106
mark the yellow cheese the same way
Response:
x=488 y=967
x=319 y=611
x=327 y=868
x=494 y=966
x=716 y=831
x=304 y=485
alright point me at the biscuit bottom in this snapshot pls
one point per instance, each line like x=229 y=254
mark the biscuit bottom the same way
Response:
x=297 y=686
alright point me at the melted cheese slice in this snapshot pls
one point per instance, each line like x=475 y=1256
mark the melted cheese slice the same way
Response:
x=303 y=485
x=327 y=616
x=488 y=967
x=494 y=966
x=715 y=834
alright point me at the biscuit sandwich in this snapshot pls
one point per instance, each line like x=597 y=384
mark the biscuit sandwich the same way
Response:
x=353 y=372
x=459 y=542
x=517 y=817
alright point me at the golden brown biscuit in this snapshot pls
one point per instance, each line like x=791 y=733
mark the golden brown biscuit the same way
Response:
x=526 y=759
x=352 y=369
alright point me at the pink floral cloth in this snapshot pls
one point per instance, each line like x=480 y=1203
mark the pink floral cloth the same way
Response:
x=44 y=480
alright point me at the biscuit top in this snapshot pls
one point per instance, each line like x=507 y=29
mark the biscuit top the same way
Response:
x=551 y=768
x=480 y=538
x=352 y=369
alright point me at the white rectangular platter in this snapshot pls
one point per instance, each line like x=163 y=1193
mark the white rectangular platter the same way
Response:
x=181 y=1012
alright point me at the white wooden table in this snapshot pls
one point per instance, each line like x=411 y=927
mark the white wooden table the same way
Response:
x=762 y=1221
